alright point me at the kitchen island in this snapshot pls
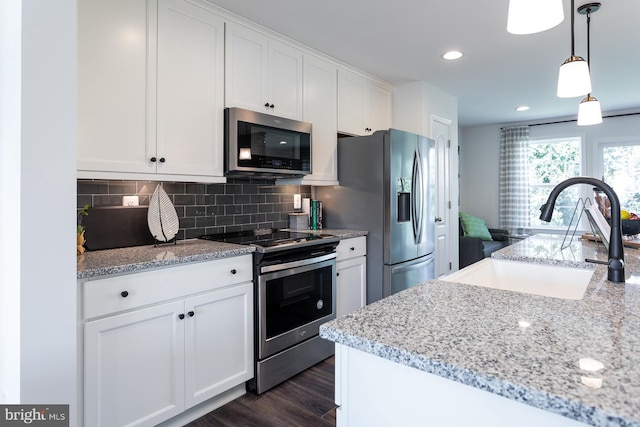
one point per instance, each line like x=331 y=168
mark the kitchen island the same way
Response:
x=445 y=353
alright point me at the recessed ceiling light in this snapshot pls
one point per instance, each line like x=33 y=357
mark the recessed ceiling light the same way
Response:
x=452 y=54
x=522 y=108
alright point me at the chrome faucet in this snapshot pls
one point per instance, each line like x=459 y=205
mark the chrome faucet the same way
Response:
x=616 y=249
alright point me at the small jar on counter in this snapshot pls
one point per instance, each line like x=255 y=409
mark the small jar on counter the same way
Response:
x=603 y=203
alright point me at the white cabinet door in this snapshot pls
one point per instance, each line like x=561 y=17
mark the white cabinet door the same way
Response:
x=351 y=285
x=219 y=342
x=113 y=40
x=134 y=367
x=363 y=105
x=352 y=92
x=285 y=80
x=190 y=89
x=379 y=108
x=262 y=74
x=246 y=60
x=320 y=109
x=351 y=267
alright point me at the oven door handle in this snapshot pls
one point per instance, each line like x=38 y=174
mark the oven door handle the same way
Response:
x=298 y=263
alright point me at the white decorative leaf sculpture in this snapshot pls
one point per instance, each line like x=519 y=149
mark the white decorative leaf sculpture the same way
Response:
x=162 y=216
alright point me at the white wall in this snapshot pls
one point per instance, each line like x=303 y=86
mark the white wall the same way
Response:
x=479 y=172
x=480 y=153
x=10 y=47
x=41 y=257
x=414 y=102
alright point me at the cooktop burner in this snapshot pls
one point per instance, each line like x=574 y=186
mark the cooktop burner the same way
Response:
x=270 y=238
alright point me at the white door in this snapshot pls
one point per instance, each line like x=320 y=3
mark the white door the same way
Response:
x=444 y=258
x=190 y=94
x=351 y=285
x=218 y=342
x=352 y=111
x=246 y=68
x=134 y=367
x=285 y=80
x=113 y=66
x=320 y=109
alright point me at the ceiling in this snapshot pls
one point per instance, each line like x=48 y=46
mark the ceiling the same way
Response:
x=402 y=40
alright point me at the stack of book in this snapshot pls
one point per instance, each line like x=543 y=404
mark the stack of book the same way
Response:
x=315 y=215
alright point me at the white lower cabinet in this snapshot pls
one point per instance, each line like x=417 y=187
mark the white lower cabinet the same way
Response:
x=351 y=268
x=149 y=364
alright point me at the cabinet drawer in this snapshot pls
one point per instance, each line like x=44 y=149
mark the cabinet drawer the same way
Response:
x=350 y=248
x=129 y=291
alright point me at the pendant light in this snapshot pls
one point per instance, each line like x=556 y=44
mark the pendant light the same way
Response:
x=524 y=17
x=589 y=111
x=573 y=77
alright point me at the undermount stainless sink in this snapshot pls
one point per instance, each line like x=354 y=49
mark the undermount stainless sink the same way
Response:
x=554 y=281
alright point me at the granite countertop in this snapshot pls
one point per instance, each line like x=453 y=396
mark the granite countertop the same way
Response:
x=524 y=347
x=126 y=260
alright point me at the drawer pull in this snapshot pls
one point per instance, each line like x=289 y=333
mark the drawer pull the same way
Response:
x=234 y=271
x=181 y=316
x=191 y=314
x=124 y=294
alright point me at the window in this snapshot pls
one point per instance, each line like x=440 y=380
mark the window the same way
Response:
x=551 y=161
x=620 y=165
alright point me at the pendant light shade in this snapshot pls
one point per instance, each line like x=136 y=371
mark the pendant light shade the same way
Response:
x=573 y=78
x=527 y=17
x=589 y=112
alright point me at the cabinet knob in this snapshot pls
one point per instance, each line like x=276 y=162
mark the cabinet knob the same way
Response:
x=191 y=314
x=438 y=219
x=367 y=129
x=266 y=104
x=124 y=294
x=271 y=106
x=234 y=271
x=337 y=274
x=153 y=159
x=181 y=316
x=352 y=248
x=162 y=160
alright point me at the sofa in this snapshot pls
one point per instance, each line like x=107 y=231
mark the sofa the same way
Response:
x=476 y=246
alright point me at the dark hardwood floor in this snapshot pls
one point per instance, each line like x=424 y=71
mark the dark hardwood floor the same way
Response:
x=304 y=400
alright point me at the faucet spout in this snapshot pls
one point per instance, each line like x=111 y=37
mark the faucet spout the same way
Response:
x=616 y=249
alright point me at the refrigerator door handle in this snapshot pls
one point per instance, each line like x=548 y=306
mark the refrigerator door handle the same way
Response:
x=416 y=199
x=417 y=266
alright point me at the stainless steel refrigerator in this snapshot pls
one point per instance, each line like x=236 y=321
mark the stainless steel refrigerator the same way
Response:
x=387 y=186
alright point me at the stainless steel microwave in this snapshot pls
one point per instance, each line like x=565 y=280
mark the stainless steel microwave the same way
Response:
x=263 y=145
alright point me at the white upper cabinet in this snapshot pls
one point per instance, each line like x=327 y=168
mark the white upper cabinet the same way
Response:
x=150 y=90
x=262 y=74
x=364 y=106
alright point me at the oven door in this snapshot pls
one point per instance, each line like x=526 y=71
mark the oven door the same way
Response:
x=294 y=301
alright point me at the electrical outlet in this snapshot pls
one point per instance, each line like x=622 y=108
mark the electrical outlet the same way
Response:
x=297 y=201
x=130 y=201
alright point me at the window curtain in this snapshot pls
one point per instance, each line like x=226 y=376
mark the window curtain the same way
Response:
x=514 y=179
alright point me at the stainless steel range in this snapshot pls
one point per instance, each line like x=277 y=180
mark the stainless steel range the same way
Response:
x=295 y=288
